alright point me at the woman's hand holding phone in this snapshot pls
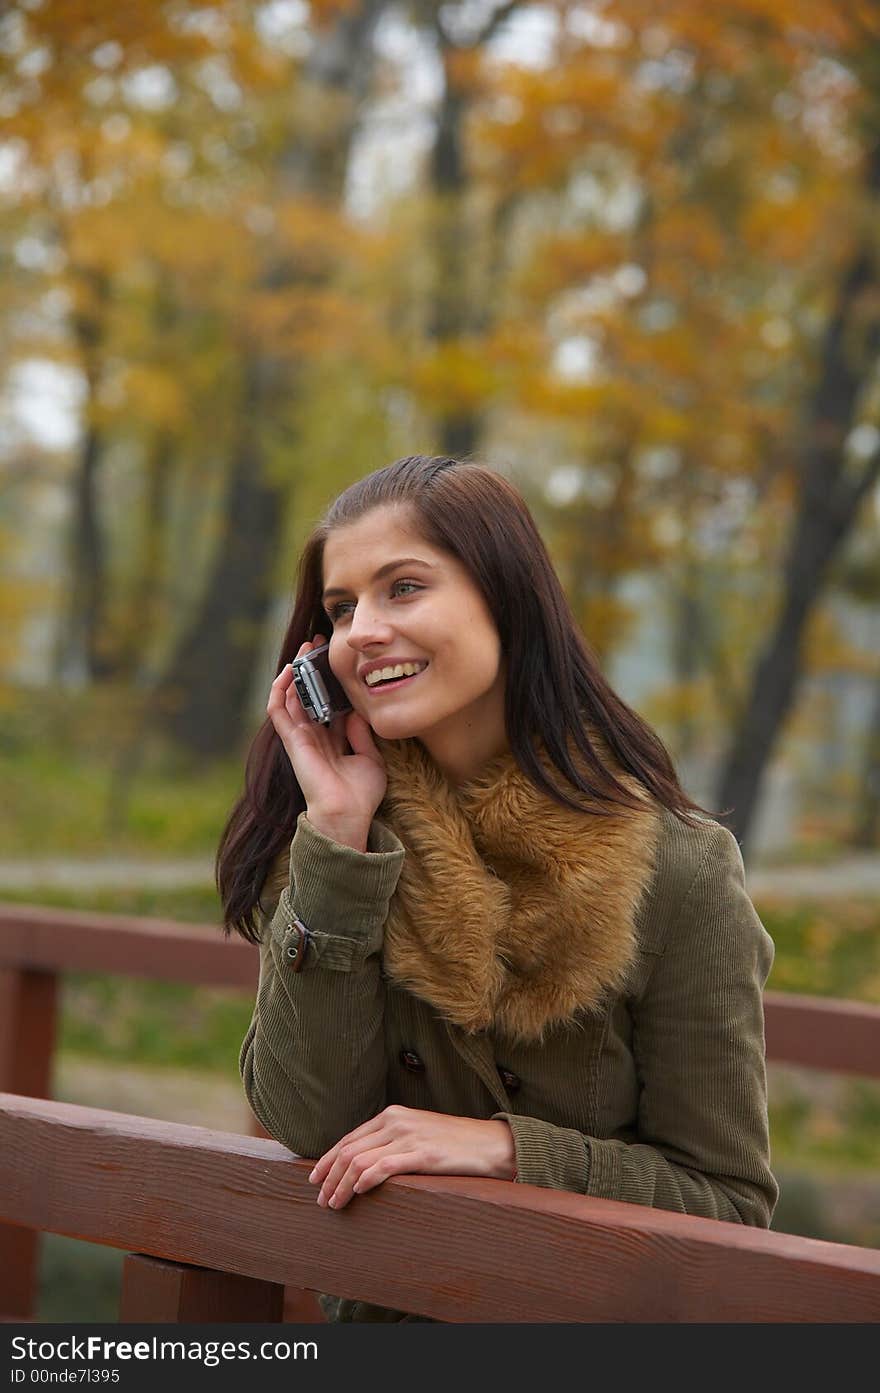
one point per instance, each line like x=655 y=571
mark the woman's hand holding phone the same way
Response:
x=339 y=768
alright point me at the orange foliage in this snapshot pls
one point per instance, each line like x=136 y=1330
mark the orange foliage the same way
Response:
x=675 y=195
x=453 y=376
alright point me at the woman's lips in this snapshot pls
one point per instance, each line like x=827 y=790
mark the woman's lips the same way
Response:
x=392 y=686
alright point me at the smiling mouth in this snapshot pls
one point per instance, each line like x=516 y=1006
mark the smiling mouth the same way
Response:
x=396 y=678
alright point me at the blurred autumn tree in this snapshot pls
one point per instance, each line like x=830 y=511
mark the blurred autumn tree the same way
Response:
x=627 y=246
x=705 y=277
x=188 y=179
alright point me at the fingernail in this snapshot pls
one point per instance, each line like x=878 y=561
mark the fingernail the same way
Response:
x=333 y=1202
x=312 y=1176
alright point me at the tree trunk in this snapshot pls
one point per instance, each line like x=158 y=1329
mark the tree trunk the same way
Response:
x=145 y=607
x=201 y=702
x=449 y=310
x=453 y=311
x=80 y=649
x=337 y=75
x=832 y=487
x=866 y=831
x=202 y=699
x=774 y=683
x=688 y=646
x=87 y=568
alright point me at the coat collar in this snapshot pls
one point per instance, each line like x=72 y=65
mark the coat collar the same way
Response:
x=512 y=912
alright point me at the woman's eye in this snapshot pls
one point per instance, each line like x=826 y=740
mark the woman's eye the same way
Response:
x=336 y=611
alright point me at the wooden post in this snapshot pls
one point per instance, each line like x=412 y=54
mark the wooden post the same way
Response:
x=301 y=1307
x=156 y=1291
x=27 y=1042
x=27 y=1031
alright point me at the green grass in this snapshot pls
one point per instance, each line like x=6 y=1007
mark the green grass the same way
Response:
x=78 y=1281
x=59 y=753
x=835 y=1129
x=817 y=1205
x=153 y=1023
x=55 y=807
x=197 y=904
x=826 y=949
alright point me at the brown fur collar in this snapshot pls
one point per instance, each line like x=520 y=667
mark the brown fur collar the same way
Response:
x=511 y=911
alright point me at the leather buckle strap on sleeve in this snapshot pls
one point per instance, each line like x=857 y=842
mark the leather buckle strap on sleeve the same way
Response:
x=297 y=947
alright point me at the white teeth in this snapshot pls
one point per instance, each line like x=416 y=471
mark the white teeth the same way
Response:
x=386 y=674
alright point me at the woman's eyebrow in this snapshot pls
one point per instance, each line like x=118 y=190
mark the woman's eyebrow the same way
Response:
x=383 y=571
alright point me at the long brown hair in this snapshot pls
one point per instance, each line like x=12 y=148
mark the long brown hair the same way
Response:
x=555 y=691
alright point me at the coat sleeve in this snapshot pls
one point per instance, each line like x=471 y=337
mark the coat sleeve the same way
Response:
x=313 y=1060
x=702 y=1144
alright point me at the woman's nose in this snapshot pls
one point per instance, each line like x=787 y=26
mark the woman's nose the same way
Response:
x=367 y=626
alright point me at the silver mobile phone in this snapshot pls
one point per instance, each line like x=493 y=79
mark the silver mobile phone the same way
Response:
x=321 y=695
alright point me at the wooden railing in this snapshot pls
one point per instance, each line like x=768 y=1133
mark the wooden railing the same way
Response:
x=241 y=1211
x=37 y=946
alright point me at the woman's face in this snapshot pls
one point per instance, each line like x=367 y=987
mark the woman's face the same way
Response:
x=393 y=598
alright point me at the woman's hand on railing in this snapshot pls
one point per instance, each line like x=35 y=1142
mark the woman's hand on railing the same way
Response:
x=408 y=1141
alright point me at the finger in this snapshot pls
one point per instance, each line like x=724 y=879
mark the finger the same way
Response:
x=373 y=1159
x=343 y=1163
x=360 y=736
x=337 y=737
x=283 y=686
x=349 y=1162
x=350 y=1140
x=404 y=1163
x=341 y=1168
x=277 y=706
x=293 y=726
x=281 y=683
x=297 y=713
x=340 y=743
x=285 y=676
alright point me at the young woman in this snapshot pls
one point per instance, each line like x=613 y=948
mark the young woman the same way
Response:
x=497 y=938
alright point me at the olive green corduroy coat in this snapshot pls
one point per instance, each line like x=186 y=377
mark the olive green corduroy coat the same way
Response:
x=658 y=1097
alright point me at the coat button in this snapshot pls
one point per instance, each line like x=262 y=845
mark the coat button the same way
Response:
x=512 y=1082
x=410 y=1060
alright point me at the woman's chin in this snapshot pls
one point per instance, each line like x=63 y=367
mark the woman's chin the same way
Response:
x=390 y=725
